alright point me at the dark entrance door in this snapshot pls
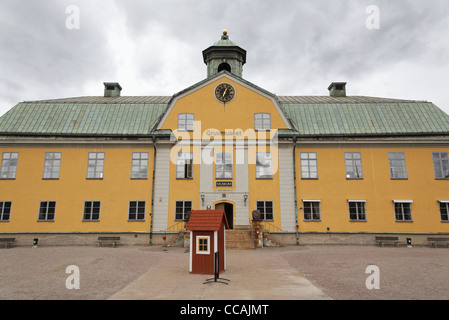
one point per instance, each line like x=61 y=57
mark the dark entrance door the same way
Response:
x=229 y=210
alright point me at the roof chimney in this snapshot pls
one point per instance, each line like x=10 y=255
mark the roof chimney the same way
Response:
x=337 y=89
x=112 y=89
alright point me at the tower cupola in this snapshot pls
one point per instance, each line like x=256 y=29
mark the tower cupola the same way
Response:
x=224 y=55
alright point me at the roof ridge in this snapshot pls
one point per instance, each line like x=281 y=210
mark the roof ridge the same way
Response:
x=318 y=99
x=106 y=100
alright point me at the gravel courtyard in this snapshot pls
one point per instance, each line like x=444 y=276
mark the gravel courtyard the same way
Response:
x=287 y=273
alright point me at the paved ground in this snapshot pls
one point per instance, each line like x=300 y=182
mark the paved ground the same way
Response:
x=297 y=272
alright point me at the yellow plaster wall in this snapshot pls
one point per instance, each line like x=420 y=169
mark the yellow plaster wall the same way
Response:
x=72 y=188
x=376 y=187
x=236 y=114
x=214 y=116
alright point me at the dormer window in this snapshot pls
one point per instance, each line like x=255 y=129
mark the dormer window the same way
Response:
x=262 y=121
x=186 y=122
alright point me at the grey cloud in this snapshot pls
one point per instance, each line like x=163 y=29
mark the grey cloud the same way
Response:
x=294 y=47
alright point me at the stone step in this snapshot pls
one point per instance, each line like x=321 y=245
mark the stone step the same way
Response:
x=239 y=239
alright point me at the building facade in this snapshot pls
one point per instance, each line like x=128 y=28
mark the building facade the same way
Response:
x=320 y=169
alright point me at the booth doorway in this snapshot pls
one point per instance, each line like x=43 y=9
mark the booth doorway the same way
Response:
x=229 y=210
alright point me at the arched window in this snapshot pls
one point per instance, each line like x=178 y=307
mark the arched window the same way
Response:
x=224 y=66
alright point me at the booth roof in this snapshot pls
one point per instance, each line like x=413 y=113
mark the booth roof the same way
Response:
x=206 y=220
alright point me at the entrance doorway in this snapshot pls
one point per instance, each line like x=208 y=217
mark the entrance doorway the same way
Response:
x=229 y=210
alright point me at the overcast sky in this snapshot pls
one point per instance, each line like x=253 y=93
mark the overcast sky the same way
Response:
x=155 y=47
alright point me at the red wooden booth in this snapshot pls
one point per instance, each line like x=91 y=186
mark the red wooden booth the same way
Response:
x=207 y=240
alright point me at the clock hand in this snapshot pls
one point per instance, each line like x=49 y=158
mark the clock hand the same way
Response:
x=225 y=92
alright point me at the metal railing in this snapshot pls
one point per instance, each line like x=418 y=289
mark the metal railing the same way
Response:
x=174 y=228
x=270 y=227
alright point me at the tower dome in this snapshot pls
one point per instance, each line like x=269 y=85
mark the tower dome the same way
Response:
x=224 y=55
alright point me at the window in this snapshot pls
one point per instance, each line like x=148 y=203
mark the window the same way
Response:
x=95 y=165
x=398 y=169
x=353 y=165
x=52 y=164
x=47 y=211
x=186 y=122
x=403 y=210
x=262 y=121
x=91 y=211
x=182 y=208
x=139 y=165
x=357 y=210
x=5 y=210
x=202 y=244
x=264 y=165
x=266 y=209
x=312 y=210
x=441 y=165
x=136 y=211
x=9 y=165
x=224 y=66
x=184 y=165
x=444 y=210
x=223 y=165
x=309 y=165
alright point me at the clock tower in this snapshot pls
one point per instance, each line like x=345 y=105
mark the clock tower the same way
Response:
x=224 y=55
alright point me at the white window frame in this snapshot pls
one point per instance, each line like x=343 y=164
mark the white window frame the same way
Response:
x=184 y=165
x=52 y=165
x=402 y=210
x=264 y=213
x=198 y=237
x=222 y=165
x=264 y=165
x=307 y=162
x=356 y=201
x=311 y=214
x=446 y=204
x=184 y=213
x=95 y=160
x=136 y=213
x=439 y=164
x=186 y=122
x=353 y=164
x=8 y=168
x=262 y=121
x=2 y=211
x=398 y=167
x=139 y=165
x=46 y=213
x=91 y=211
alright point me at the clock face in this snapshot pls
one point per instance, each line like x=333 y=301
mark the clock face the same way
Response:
x=224 y=92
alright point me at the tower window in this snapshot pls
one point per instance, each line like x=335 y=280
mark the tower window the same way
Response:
x=224 y=66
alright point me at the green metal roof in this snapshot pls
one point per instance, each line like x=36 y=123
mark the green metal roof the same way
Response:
x=85 y=116
x=309 y=116
x=363 y=116
x=224 y=41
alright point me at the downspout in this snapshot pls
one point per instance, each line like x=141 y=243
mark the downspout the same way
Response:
x=152 y=190
x=294 y=184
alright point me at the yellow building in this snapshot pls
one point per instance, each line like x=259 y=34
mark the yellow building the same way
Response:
x=319 y=169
